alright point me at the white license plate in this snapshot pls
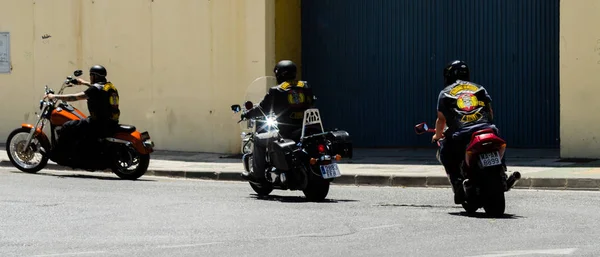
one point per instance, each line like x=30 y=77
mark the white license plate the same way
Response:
x=330 y=171
x=490 y=159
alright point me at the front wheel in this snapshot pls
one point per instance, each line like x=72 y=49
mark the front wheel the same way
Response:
x=263 y=189
x=470 y=208
x=30 y=159
x=126 y=160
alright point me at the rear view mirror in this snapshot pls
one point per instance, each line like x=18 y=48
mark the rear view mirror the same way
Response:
x=248 y=105
x=78 y=73
x=236 y=108
x=421 y=128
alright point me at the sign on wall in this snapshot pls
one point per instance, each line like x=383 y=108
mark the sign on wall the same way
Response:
x=4 y=52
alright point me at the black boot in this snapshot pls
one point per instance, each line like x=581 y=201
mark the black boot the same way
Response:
x=459 y=192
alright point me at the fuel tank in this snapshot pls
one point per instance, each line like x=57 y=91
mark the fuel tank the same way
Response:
x=64 y=113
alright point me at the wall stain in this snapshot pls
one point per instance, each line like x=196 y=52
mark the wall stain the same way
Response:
x=171 y=121
x=597 y=50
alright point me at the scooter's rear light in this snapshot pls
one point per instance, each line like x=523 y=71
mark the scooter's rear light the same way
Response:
x=502 y=150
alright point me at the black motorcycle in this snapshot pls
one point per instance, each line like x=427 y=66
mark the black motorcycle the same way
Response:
x=308 y=165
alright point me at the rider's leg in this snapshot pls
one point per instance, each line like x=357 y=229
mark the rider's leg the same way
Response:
x=68 y=134
x=451 y=156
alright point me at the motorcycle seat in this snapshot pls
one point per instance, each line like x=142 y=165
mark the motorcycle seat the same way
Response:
x=126 y=128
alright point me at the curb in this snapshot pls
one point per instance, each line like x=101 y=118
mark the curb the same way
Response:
x=585 y=184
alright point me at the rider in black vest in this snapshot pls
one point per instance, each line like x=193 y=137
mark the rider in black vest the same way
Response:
x=465 y=107
x=287 y=101
x=103 y=105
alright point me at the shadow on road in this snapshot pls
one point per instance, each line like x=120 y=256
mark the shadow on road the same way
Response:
x=415 y=205
x=483 y=215
x=295 y=199
x=80 y=176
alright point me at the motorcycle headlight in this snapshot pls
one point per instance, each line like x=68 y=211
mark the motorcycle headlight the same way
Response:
x=271 y=122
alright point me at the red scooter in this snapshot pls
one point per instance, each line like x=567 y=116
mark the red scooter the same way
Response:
x=485 y=179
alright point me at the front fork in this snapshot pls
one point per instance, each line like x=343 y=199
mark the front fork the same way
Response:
x=33 y=129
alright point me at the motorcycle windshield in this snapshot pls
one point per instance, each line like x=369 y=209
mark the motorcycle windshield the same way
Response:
x=258 y=88
x=255 y=92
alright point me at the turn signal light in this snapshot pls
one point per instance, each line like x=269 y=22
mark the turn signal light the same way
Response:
x=313 y=161
x=502 y=150
x=468 y=155
x=338 y=157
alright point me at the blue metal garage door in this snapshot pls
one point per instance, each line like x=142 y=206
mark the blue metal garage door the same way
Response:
x=376 y=65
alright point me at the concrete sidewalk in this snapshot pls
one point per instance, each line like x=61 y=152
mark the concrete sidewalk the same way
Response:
x=540 y=169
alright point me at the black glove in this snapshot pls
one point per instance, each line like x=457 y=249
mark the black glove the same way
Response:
x=244 y=115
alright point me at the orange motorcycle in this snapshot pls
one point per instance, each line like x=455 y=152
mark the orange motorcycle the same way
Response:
x=126 y=152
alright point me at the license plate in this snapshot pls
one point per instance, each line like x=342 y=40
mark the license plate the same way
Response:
x=490 y=159
x=330 y=171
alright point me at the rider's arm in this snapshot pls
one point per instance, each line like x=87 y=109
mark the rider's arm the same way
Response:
x=72 y=97
x=83 y=82
x=489 y=102
x=440 y=123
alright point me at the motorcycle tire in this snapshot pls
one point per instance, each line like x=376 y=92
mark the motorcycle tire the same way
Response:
x=263 y=189
x=317 y=188
x=495 y=204
x=470 y=208
x=140 y=170
x=10 y=152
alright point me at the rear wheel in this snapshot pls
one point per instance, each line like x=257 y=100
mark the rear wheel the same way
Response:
x=317 y=188
x=129 y=164
x=27 y=159
x=494 y=201
x=495 y=204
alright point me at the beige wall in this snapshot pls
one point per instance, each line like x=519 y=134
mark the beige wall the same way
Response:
x=178 y=65
x=579 y=78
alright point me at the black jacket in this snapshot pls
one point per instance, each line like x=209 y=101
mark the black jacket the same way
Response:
x=288 y=101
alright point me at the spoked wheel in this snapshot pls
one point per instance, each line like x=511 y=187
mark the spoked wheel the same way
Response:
x=263 y=189
x=27 y=159
x=129 y=164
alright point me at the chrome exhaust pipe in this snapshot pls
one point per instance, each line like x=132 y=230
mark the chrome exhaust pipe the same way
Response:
x=512 y=180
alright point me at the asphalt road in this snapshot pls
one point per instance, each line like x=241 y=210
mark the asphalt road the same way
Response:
x=92 y=214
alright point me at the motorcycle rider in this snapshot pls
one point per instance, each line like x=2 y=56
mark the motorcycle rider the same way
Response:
x=288 y=101
x=465 y=107
x=103 y=105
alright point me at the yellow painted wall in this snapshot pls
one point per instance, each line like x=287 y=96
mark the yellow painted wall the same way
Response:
x=178 y=65
x=288 y=31
x=579 y=78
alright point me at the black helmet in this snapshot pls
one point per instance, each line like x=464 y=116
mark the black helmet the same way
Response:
x=285 y=70
x=98 y=70
x=456 y=70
